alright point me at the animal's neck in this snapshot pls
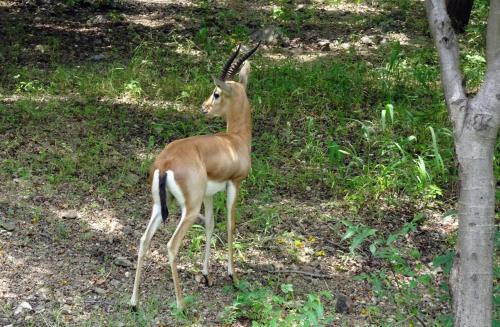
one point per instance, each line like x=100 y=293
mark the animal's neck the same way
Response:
x=239 y=122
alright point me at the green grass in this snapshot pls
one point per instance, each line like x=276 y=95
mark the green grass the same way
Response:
x=369 y=136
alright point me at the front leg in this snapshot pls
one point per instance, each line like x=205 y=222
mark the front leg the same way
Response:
x=209 y=229
x=232 y=194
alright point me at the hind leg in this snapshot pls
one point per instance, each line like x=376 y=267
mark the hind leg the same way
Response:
x=153 y=225
x=188 y=218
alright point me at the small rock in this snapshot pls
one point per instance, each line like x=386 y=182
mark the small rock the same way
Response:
x=43 y=293
x=367 y=40
x=329 y=248
x=99 y=19
x=437 y=270
x=40 y=47
x=308 y=188
x=285 y=41
x=295 y=42
x=22 y=307
x=297 y=51
x=66 y=309
x=324 y=44
x=39 y=309
x=278 y=266
x=39 y=198
x=122 y=262
x=99 y=291
x=98 y=57
x=345 y=46
x=115 y=283
x=8 y=226
x=344 y=304
x=133 y=179
x=70 y=214
x=127 y=274
x=269 y=34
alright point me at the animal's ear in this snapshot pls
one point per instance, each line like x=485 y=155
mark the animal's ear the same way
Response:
x=244 y=72
x=225 y=87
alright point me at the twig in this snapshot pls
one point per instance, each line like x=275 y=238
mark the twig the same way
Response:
x=300 y=272
x=420 y=321
x=99 y=302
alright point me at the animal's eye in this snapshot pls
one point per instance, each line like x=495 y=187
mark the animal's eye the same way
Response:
x=216 y=95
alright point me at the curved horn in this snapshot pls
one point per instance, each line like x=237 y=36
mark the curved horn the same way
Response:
x=238 y=63
x=223 y=75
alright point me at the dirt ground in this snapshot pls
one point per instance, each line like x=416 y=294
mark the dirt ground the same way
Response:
x=71 y=258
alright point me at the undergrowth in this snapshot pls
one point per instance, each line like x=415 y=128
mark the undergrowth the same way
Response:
x=372 y=136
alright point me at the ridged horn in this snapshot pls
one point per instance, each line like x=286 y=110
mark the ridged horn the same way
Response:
x=223 y=75
x=234 y=67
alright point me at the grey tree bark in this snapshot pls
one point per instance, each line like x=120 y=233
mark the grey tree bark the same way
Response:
x=476 y=122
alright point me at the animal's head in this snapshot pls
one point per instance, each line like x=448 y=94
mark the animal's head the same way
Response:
x=227 y=94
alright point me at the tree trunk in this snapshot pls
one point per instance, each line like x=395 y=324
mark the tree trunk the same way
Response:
x=459 y=13
x=475 y=126
x=472 y=275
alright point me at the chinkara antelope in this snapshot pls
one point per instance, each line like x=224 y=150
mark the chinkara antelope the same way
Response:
x=195 y=168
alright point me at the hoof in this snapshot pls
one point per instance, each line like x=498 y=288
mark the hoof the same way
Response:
x=234 y=279
x=208 y=280
x=181 y=306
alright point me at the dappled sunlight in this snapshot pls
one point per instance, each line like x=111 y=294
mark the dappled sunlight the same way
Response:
x=81 y=29
x=100 y=220
x=151 y=21
x=182 y=50
x=342 y=96
x=39 y=98
x=185 y=3
x=299 y=56
x=402 y=38
x=127 y=99
x=445 y=224
x=349 y=7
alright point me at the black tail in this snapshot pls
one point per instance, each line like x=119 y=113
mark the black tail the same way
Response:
x=163 y=196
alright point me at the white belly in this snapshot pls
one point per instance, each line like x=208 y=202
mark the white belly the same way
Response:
x=214 y=187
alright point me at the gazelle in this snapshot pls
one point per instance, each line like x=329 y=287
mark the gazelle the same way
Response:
x=195 y=168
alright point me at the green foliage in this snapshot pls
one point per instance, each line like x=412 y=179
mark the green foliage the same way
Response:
x=358 y=233
x=368 y=130
x=404 y=281
x=263 y=307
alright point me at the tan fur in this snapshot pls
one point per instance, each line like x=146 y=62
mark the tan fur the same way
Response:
x=219 y=157
x=223 y=157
